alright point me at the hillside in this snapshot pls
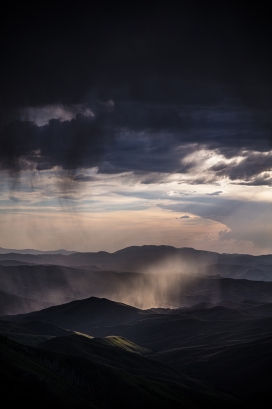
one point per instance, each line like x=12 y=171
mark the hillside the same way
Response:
x=44 y=377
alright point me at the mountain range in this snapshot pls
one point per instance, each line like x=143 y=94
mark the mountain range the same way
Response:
x=169 y=331
x=145 y=259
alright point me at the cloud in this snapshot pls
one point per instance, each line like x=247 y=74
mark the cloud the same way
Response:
x=209 y=207
x=218 y=192
x=130 y=53
x=67 y=144
x=84 y=178
x=88 y=141
x=15 y=199
x=137 y=99
x=183 y=217
x=245 y=221
x=261 y=180
x=251 y=223
x=152 y=143
x=42 y=115
x=254 y=168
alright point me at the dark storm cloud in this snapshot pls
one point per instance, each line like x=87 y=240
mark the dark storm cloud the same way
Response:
x=62 y=53
x=173 y=76
x=248 y=169
x=144 y=153
x=264 y=180
x=158 y=138
x=148 y=138
x=65 y=52
x=68 y=144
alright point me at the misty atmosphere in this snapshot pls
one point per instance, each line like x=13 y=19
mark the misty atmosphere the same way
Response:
x=150 y=325
x=135 y=205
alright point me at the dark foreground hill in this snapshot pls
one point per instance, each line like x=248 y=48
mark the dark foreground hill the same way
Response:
x=243 y=369
x=228 y=345
x=30 y=379
x=42 y=378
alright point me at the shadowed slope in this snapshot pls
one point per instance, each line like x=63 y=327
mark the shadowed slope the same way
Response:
x=26 y=381
x=204 y=341
x=31 y=332
x=61 y=380
x=230 y=348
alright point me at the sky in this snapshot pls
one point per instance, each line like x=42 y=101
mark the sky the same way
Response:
x=133 y=124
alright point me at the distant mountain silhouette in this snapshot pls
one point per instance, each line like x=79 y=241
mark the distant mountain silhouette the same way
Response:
x=155 y=259
x=32 y=251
